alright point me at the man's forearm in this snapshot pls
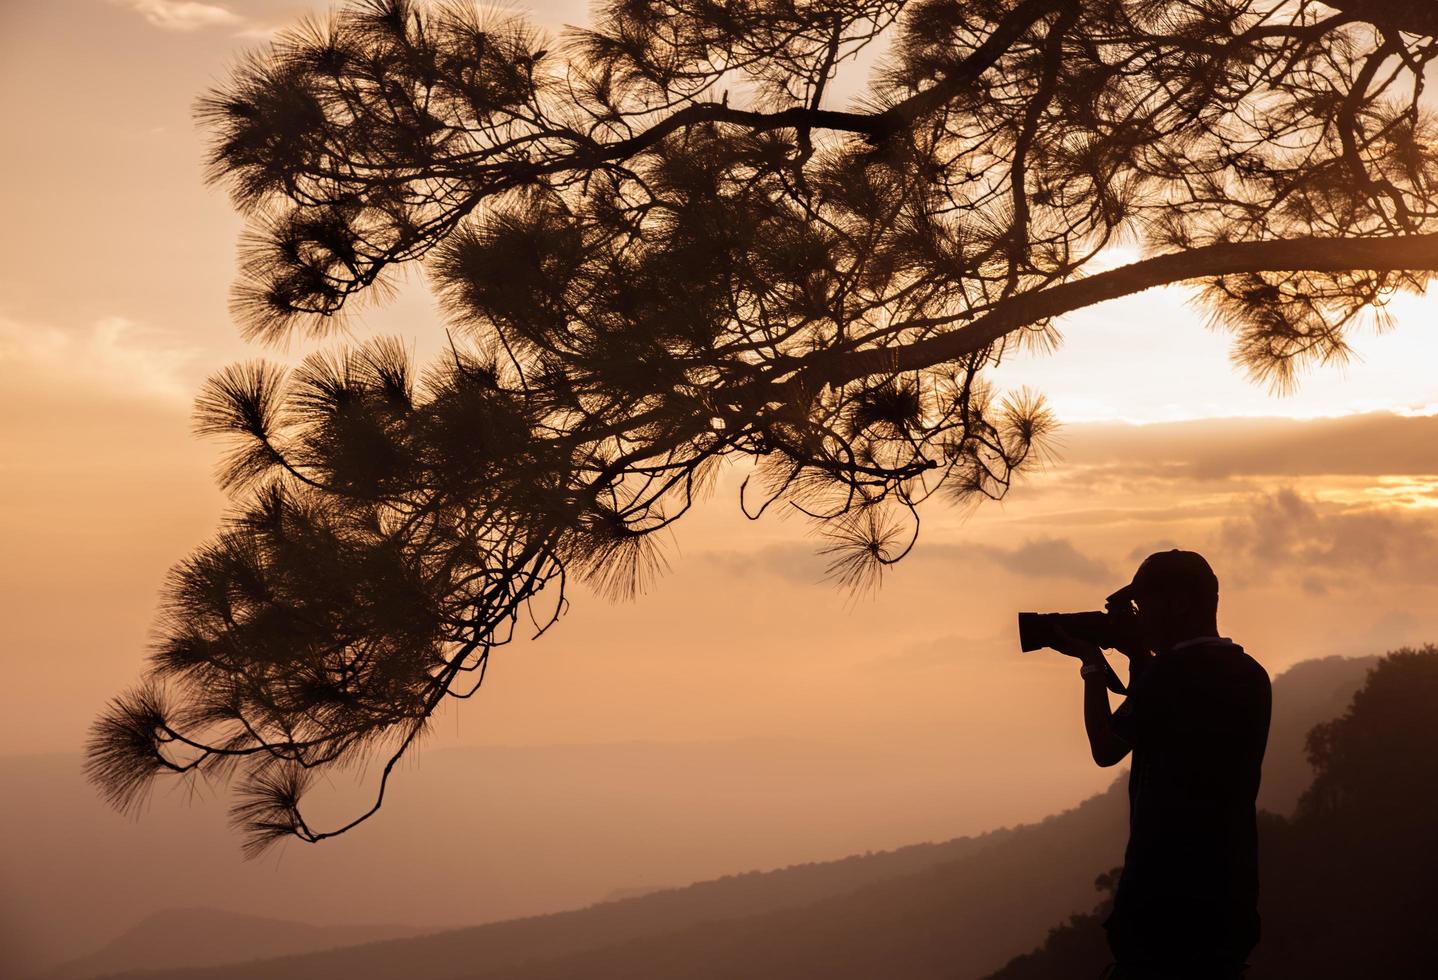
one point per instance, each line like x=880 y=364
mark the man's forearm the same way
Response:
x=1107 y=748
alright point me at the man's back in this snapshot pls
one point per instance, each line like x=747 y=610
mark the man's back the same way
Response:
x=1197 y=719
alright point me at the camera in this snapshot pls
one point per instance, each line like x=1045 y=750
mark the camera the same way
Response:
x=1039 y=630
x=1115 y=629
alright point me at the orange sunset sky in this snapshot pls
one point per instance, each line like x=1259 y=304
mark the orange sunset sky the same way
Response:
x=918 y=717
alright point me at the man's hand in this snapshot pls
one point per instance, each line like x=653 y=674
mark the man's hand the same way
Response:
x=1105 y=745
x=1071 y=646
x=1128 y=641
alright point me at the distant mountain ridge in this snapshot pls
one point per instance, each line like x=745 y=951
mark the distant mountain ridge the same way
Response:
x=958 y=910
x=510 y=945
x=201 y=937
x=535 y=829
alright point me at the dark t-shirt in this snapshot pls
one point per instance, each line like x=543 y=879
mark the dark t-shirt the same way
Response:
x=1197 y=719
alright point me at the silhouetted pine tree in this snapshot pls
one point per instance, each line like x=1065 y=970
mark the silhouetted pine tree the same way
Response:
x=661 y=247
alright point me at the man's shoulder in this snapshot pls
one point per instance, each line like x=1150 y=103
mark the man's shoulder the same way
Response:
x=1220 y=659
x=1217 y=686
x=1244 y=664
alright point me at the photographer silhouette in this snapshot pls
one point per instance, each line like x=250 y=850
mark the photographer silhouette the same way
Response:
x=1196 y=720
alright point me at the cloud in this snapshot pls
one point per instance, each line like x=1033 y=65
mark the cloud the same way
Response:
x=1139 y=552
x=801 y=564
x=1217 y=450
x=1046 y=558
x=183 y=15
x=798 y=564
x=1325 y=545
x=948 y=651
x=113 y=354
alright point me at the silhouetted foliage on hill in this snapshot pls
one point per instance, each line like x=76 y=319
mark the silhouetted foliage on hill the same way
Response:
x=1312 y=690
x=1354 y=891
x=1350 y=884
x=1079 y=943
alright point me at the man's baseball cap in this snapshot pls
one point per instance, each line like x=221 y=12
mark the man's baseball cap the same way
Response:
x=1171 y=571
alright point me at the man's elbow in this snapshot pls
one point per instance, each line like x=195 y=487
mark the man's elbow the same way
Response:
x=1109 y=755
